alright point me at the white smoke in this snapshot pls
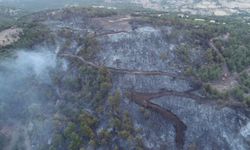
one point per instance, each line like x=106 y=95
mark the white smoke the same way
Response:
x=25 y=81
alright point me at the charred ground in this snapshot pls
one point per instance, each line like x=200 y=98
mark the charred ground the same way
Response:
x=138 y=80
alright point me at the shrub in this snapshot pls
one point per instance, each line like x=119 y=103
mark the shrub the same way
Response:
x=87 y=119
x=57 y=140
x=247 y=101
x=116 y=123
x=146 y=113
x=189 y=71
x=209 y=55
x=69 y=129
x=127 y=122
x=104 y=87
x=86 y=131
x=75 y=141
x=92 y=143
x=245 y=81
x=183 y=52
x=124 y=134
x=238 y=93
x=105 y=136
x=115 y=100
x=90 y=48
x=163 y=56
x=139 y=143
x=208 y=73
x=73 y=84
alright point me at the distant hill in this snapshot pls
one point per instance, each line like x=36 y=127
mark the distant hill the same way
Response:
x=34 y=5
x=205 y=7
x=10 y=12
x=8 y=15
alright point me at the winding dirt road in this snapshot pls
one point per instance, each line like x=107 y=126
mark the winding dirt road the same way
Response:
x=225 y=67
x=145 y=101
x=228 y=80
x=135 y=72
x=151 y=96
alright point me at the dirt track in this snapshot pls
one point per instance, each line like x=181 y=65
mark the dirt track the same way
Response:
x=151 y=96
x=135 y=72
x=225 y=68
x=228 y=81
x=145 y=101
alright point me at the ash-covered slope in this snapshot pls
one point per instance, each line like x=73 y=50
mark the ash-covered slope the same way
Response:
x=126 y=85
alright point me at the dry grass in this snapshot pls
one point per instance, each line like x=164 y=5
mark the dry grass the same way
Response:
x=9 y=36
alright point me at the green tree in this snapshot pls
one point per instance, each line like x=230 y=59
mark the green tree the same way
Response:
x=75 y=141
x=115 y=101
